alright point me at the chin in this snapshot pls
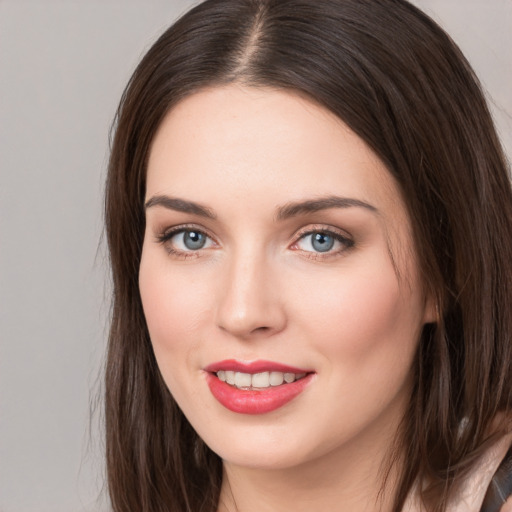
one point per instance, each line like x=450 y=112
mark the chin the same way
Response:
x=257 y=446
x=272 y=456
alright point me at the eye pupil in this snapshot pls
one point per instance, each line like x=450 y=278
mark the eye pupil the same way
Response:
x=322 y=242
x=194 y=240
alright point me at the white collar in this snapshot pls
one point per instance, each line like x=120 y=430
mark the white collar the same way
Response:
x=473 y=489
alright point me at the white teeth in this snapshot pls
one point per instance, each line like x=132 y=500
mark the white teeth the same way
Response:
x=243 y=380
x=260 y=380
x=257 y=380
x=289 y=377
x=276 y=378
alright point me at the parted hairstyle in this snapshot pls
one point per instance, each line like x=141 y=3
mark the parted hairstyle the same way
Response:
x=402 y=85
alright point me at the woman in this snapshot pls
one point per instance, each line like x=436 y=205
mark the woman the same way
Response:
x=309 y=219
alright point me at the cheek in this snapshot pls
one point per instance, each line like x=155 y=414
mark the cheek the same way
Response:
x=365 y=332
x=362 y=315
x=175 y=307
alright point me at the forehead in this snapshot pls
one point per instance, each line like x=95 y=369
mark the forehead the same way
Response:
x=263 y=146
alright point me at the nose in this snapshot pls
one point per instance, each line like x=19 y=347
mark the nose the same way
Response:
x=249 y=303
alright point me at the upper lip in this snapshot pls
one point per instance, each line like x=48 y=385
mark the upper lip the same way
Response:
x=252 y=367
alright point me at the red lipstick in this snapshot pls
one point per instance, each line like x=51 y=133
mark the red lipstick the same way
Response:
x=253 y=367
x=251 y=400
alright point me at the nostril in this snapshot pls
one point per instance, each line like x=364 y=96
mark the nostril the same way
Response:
x=261 y=329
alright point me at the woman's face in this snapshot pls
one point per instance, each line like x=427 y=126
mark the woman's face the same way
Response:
x=278 y=249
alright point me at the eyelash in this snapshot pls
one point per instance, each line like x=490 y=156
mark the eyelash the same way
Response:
x=343 y=239
x=346 y=242
x=165 y=237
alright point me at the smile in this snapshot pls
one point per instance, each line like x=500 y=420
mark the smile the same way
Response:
x=258 y=380
x=255 y=388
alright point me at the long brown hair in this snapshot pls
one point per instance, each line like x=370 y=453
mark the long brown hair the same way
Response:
x=400 y=83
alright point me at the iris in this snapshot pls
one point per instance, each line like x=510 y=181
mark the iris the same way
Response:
x=194 y=240
x=322 y=242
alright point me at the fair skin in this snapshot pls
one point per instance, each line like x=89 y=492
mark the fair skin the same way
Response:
x=291 y=244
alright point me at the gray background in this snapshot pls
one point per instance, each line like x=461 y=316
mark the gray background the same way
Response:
x=63 y=66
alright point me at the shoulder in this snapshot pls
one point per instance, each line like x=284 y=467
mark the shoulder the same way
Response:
x=489 y=483
x=485 y=489
x=500 y=487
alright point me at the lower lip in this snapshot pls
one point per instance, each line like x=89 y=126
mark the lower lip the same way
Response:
x=248 y=401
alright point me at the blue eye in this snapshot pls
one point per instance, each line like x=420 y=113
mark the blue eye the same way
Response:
x=193 y=240
x=186 y=240
x=323 y=242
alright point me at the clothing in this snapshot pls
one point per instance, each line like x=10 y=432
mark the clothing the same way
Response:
x=481 y=490
x=500 y=487
x=475 y=488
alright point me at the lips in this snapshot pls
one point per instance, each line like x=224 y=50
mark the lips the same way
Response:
x=256 y=387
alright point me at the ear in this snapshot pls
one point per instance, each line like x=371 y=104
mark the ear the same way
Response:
x=431 y=313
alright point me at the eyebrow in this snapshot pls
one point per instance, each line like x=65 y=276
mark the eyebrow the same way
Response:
x=283 y=212
x=180 y=205
x=322 y=203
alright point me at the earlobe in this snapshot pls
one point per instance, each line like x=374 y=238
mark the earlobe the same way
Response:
x=431 y=312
